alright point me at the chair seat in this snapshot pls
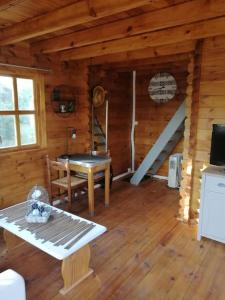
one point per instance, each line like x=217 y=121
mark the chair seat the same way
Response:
x=75 y=182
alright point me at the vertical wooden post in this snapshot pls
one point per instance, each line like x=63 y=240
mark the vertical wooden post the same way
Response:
x=49 y=179
x=194 y=120
x=190 y=138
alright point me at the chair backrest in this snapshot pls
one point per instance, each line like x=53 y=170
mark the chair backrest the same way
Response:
x=58 y=166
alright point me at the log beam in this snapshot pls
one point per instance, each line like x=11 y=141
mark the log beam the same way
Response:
x=194 y=121
x=148 y=63
x=185 y=13
x=4 y=4
x=147 y=53
x=74 y=14
x=198 y=30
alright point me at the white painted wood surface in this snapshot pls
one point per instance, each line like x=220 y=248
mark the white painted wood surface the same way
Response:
x=58 y=252
x=132 y=134
x=212 y=205
x=160 y=144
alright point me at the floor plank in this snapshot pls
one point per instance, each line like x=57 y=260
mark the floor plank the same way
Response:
x=145 y=254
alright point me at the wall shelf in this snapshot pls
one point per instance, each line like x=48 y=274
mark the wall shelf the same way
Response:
x=64 y=100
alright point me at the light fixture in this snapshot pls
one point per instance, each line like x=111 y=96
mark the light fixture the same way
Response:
x=73 y=134
x=70 y=134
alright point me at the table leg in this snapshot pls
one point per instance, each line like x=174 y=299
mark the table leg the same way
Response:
x=11 y=240
x=107 y=184
x=91 y=191
x=75 y=268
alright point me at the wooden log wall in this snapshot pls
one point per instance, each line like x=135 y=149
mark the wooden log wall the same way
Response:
x=192 y=104
x=211 y=108
x=153 y=117
x=22 y=170
x=119 y=87
x=185 y=189
x=75 y=75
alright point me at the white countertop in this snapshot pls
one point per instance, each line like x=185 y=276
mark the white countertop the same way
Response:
x=215 y=171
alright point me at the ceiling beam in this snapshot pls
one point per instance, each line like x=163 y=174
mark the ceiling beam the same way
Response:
x=74 y=14
x=198 y=30
x=147 y=63
x=154 y=53
x=188 y=12
x=8 y=3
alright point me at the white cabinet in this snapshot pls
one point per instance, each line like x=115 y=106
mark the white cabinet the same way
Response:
x=212 y=205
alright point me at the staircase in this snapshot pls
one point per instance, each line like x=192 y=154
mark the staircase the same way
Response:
x=167 y=151
x=99 y=135
x=163 y=146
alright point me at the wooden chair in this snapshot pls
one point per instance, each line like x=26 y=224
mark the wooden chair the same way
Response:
x=67 y=182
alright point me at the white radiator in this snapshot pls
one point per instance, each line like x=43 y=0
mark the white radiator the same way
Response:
x=174 y=173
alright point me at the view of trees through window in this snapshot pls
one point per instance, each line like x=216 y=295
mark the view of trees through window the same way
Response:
x=17 y=112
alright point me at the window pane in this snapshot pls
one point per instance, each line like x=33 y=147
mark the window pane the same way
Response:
x=27 y=129
x=25 y=94
x=6 y=93
x=7 y=132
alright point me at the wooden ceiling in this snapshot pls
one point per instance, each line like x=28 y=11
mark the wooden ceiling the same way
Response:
x=99 y=29
x=15 y=11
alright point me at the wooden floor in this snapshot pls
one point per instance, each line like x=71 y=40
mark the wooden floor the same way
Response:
x=146 y=253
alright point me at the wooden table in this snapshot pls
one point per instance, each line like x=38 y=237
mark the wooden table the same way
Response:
x=65 y=236
x=90 y=165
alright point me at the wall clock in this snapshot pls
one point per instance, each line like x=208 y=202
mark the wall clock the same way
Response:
x=162 y=87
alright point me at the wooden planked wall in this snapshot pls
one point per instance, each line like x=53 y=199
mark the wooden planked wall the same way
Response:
x=21 y=170
x=153 y=117
x=211 y=108
x=119 y=90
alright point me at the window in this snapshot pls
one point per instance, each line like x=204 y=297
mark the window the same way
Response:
x=20 y=120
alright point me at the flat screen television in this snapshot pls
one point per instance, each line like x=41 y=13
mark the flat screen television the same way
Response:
x=217 y=154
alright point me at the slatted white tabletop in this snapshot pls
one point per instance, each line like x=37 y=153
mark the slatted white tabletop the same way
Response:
x=70 y=242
